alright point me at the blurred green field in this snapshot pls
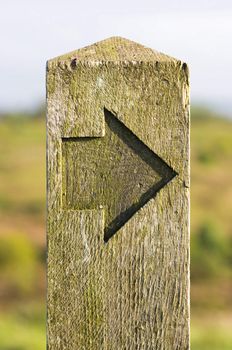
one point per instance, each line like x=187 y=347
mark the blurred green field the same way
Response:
x=23 y=328
x=22 y=232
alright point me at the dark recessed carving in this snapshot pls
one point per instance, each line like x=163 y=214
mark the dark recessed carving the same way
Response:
x=117 y=172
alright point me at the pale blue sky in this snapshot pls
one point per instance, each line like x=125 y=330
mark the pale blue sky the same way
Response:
x=196 y=31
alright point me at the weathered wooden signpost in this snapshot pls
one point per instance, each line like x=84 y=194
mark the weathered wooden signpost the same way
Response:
x=118 y=199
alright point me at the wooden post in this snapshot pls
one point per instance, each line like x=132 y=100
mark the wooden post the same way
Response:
x=118 y=199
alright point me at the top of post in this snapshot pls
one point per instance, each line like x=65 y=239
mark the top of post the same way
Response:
x=114 y=49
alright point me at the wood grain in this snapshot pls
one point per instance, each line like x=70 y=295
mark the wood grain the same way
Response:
x=133 y=292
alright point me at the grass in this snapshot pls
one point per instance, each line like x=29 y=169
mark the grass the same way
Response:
x=22 y=166
x=22 y=224
x=23 y=329
x=211 y=332
x=211 y=168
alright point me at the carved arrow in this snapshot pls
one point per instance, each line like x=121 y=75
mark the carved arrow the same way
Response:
x=117 y=172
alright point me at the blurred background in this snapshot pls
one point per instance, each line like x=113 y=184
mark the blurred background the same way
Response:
x=196 y=31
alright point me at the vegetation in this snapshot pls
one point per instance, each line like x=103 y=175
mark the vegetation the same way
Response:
x=22 y=231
